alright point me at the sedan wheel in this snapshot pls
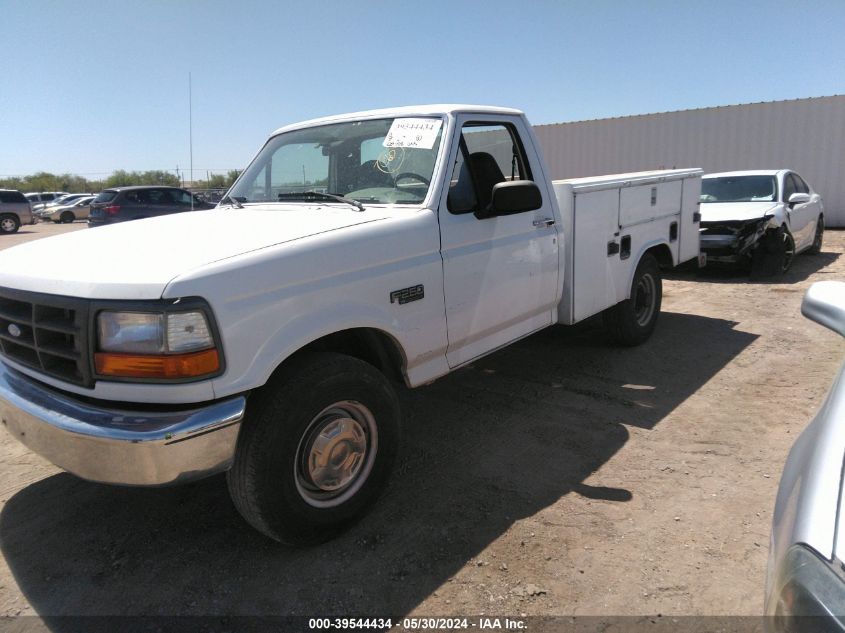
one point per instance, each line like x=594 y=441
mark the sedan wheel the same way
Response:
x=788 y=251
x=816 y=248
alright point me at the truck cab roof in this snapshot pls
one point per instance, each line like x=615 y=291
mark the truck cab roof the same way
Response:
x=404 y=111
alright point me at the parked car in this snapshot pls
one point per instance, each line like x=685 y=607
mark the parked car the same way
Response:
x=805 y=575
x=15 y=210
x=135 y=203
x=44 y=197
x=762 y=218
x=79 y=209
x=263 y=337
x=60 y=200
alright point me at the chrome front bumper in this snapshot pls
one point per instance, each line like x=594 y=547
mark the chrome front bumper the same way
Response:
x=117 y=446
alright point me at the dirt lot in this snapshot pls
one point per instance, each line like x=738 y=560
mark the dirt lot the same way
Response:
x=559 y=476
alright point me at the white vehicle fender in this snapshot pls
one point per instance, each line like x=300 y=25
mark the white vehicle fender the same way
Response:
x=645 y=247
x=292 y=335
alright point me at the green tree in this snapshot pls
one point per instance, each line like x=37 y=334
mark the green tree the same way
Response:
x=122 y=178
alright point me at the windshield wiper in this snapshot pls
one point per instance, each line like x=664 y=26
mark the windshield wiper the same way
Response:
x=233 y=200
x=311 y=196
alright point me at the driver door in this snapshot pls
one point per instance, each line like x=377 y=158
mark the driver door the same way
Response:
x=500 y=273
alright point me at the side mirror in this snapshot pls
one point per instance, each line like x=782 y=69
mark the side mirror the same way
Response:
x=824 y=303
x=799 y=198
x=512 y=197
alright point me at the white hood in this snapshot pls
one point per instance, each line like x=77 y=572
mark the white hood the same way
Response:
x=136 y=260
x=733 y=211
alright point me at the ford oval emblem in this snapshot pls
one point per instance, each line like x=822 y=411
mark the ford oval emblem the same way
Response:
x=14 y=330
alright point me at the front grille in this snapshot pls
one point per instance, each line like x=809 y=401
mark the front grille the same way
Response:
x=48 y=333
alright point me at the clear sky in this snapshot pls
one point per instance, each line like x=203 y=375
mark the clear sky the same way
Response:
x=88 y=87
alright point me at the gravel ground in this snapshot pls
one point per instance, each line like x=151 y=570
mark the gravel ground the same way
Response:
x=559 y=476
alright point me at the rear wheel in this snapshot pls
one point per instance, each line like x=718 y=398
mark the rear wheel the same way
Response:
x=9 y=224
x=67 y=217
x=632 y=321
x=816 y=248
x=316 y=448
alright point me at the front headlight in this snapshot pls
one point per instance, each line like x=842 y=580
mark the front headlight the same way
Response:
x=807 y=585
x=156 y=345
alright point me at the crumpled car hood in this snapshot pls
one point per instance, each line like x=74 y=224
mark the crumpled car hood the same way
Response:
x=735 y=211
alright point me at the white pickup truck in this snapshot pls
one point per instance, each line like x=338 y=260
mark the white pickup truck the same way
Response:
x=264 y=337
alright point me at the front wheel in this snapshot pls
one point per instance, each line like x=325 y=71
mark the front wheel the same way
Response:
x=9 y=224
x=316 y=448
x=67 y=217
x=631 y=322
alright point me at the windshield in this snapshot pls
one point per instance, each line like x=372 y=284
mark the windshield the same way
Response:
x=738 y=189
x=387 y=161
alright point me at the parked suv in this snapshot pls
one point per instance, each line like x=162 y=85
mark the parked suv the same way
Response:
x=44 y=196
x=135 y=203
x=15 y=210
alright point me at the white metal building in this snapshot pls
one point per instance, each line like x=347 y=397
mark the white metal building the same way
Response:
x=807 y=135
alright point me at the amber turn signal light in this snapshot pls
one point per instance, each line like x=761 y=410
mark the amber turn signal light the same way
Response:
x=172 y=366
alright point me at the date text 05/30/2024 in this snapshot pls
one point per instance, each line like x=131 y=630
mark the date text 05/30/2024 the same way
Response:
x=417 y=624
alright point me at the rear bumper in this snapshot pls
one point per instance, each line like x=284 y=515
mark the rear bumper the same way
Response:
x=119 y=446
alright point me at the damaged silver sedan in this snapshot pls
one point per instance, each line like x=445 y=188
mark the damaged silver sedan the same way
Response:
x=760 y=219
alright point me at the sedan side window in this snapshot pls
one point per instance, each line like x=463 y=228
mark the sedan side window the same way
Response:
x=800 y=184
x=788 y=187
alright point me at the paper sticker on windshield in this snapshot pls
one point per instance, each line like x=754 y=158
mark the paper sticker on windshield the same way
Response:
x=413 y=133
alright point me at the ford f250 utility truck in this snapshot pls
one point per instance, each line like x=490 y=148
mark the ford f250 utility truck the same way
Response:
x=264 y=337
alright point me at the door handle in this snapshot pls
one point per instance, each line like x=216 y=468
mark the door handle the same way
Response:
x=545 y=222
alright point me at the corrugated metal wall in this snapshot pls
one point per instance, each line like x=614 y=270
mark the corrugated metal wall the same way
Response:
x=807 y=135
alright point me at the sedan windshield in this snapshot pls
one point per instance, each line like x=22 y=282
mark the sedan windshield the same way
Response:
x=382 y=161
x=738 y=189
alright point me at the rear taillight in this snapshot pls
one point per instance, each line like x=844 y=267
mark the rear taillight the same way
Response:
x=112 y=209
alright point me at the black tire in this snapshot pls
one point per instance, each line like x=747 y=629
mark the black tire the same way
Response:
x=631 y=322
x=67 y=217
x=774 y=253
x=272 y=482
x=818 y=240
x=9 y=223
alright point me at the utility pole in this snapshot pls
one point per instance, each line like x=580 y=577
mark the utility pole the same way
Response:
x=191 y=133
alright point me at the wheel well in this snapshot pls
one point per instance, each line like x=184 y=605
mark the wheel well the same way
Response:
x=663 y=255
x=367 y=344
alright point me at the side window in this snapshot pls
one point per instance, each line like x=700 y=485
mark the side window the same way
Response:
x=151 y=196
x=802 y=186
x=182 y=197
x=461 y=197
x=12 y=196
x=788 y=187
x=490 y=153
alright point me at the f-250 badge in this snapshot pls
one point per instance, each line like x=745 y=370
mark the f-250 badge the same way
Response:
x=406 y=295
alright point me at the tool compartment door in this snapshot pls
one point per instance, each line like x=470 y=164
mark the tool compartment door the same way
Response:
x=595 y=221
x=690 y=219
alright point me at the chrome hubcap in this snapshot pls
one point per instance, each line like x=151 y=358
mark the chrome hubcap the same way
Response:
x=7 y=225
x=644 y=300
x=336 y=454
